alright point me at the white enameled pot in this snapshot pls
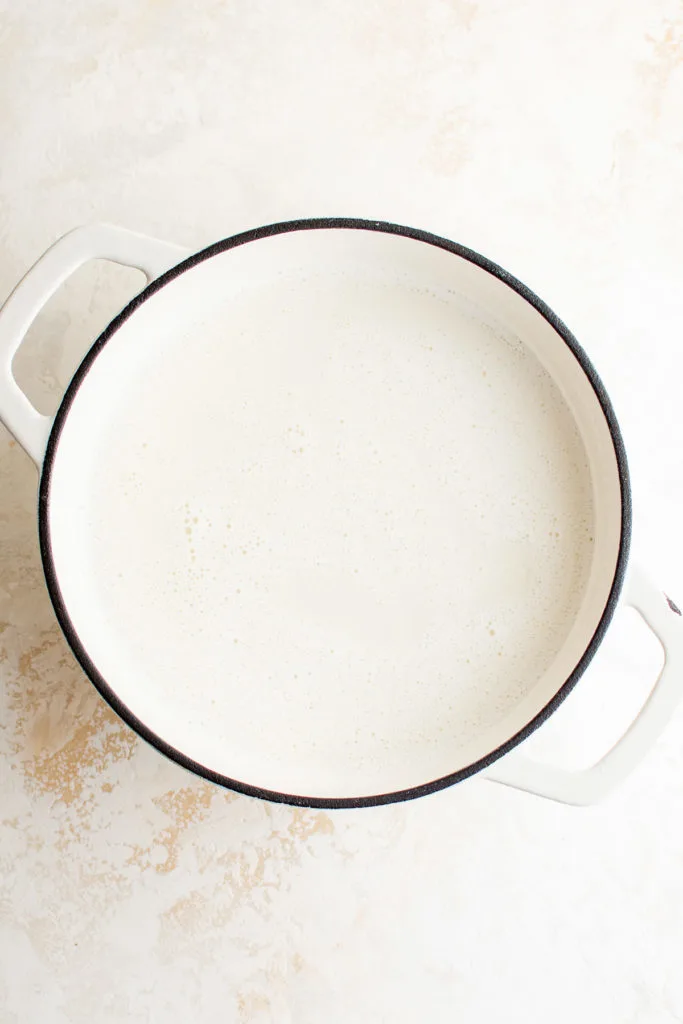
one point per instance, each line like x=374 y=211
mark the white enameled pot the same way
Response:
x=335 y=512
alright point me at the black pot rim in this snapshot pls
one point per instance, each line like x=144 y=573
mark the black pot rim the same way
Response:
x=110 y=695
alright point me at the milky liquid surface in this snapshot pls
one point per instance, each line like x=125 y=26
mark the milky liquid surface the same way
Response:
x=344 y=526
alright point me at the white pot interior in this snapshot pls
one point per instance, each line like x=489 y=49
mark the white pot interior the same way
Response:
x=335 y=513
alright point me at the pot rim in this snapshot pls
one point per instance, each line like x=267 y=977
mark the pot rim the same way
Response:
x=109 y=694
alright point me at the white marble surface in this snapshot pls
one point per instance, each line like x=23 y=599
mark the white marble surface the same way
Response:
x=549 y=137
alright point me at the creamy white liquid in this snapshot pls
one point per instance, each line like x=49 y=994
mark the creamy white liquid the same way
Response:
x=340 y=525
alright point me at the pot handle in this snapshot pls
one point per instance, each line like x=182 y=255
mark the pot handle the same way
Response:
x=590 y=785
x=92 y=241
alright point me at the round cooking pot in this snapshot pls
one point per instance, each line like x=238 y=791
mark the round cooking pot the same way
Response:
x=335 y=512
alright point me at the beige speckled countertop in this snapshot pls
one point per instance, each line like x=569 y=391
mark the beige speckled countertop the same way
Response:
x=549 y=137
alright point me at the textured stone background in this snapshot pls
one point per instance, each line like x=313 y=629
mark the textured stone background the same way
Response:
x=549 y=137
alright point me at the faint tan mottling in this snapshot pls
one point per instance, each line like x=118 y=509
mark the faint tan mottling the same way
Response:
x=305 y=824
x=449 y=145
x=666 y=58
x=464 y=12
x=74 y=73
x=186 y=912
x=252 y=1006
x=60 y=736
x=91 y=747
x=183 y=807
